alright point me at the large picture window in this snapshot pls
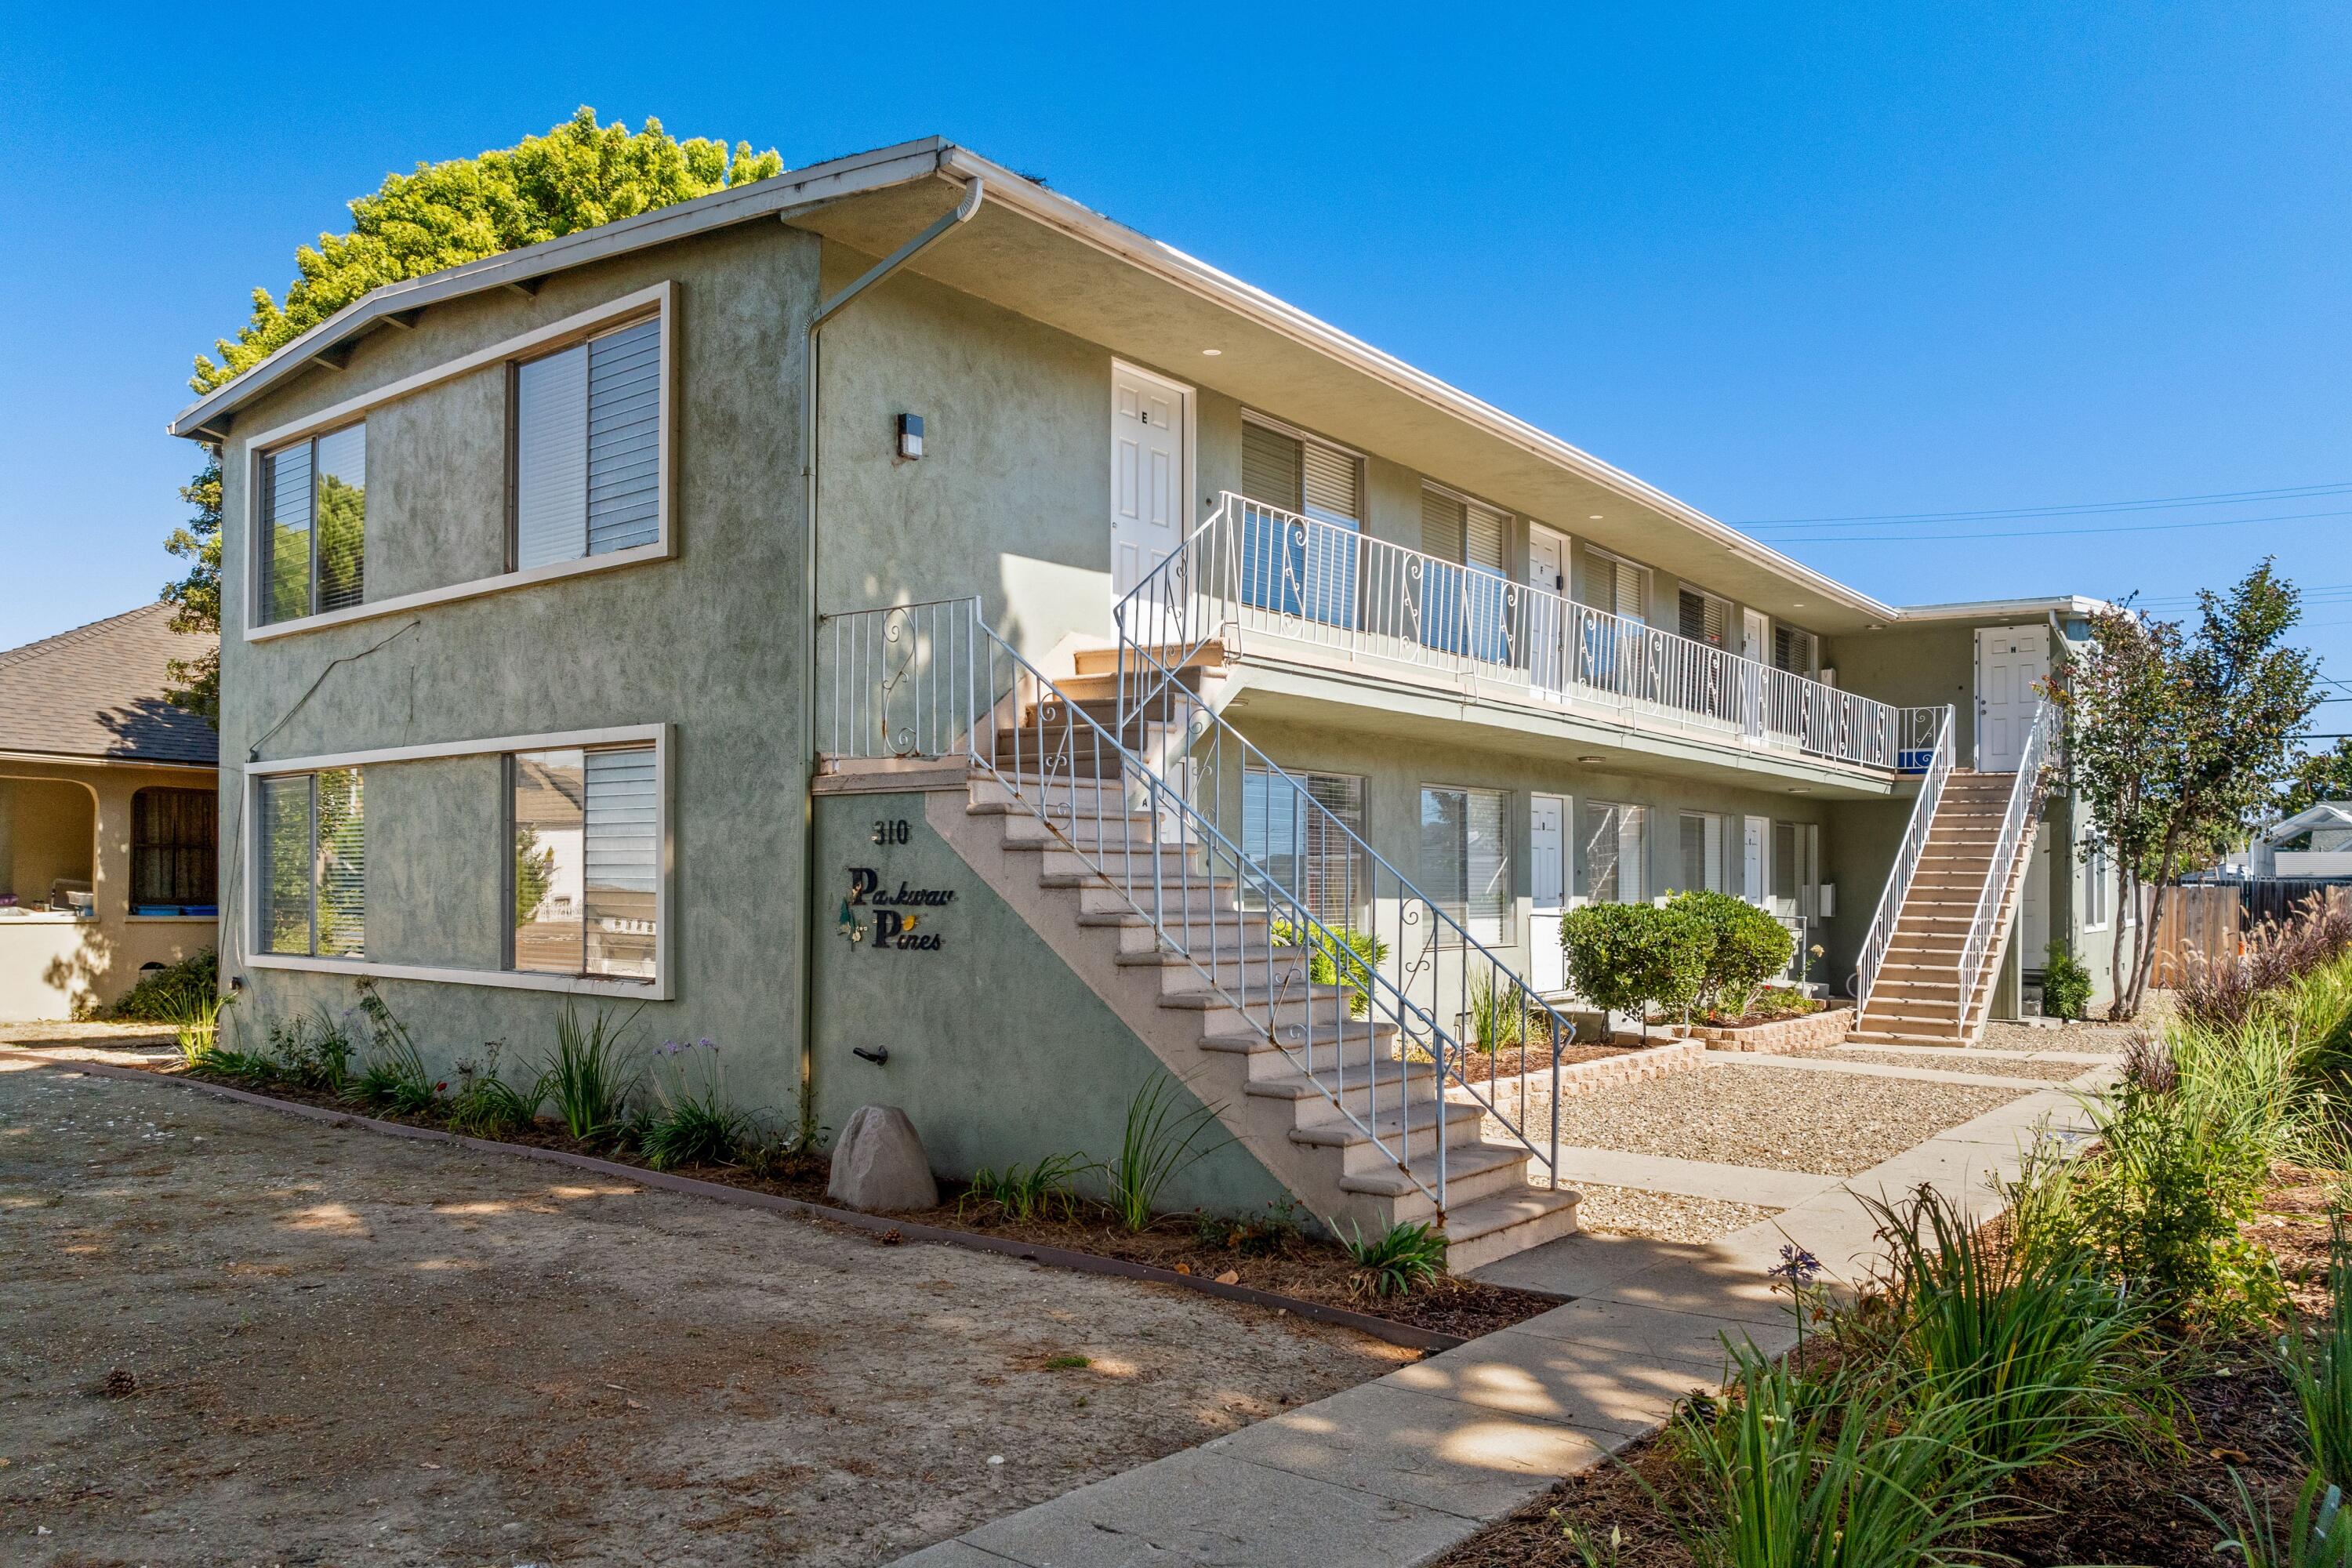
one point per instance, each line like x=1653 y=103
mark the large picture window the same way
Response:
x=314 y=526
x=587 y=448
x=313 y=848
x=1465 y=859
x=1303 y=848
x=587 y=862
x=173 y=838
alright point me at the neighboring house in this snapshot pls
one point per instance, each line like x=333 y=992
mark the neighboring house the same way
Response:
x=522 y=557
x=2317 y=842
x=108 y=816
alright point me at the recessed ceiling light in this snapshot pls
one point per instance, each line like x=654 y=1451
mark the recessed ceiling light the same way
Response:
x=1591 y=759
x=1594 y=518
x=1212 y=353
x=1800 y=789
x=1796 y=604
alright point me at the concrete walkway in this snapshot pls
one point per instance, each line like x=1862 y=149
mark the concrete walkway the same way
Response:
x=1394 y=1472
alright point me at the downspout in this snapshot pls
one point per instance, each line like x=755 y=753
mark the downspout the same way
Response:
x=975 y=192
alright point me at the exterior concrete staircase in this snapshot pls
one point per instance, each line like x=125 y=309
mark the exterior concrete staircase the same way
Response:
x=1315 y=1132
x=1918 y=997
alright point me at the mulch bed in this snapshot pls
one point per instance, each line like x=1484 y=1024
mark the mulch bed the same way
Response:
x=1262 y=1256
x=1480 y=1068
x=2104 y=1504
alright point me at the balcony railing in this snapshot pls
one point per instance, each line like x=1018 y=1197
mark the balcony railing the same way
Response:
x=1255 y=572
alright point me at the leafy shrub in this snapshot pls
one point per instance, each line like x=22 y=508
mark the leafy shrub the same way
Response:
x=1341 y=956
x=1161 y=1140
x=1397 y=1260
x=1628 y=957
x=484 y=1105
x=692 y=1122
x=591 y=1075
x=172 y=993
x=1028 y=1191
x=2065 y=982
x=1746 y=948
x=312 y=1051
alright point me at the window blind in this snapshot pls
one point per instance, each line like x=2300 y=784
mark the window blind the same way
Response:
x=286 y=533
x=1615 y=585
x=1441 y=525
x=1487 y=536
x=621 y=860
x=342 y=829
x=624 y=437
x=588 y=447
x=1795 y=651
x=1613 y=848
x=1328 y=484
x=1465 y=859
x=1703 y=618
x=1301 y=848
x=1270 y=467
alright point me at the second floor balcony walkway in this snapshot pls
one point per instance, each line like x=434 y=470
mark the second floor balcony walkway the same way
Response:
x=1279 y=586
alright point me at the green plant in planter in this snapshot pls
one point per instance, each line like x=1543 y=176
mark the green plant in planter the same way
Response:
x=692 y=1122
x=1498 y=1014
x=2065 y=983
x=1745 y=947
x=484 y=1105
x=1629 y=958
x=1337 y=956
x=1392 y=1263
x=591 y=1075
x=1163 y=1139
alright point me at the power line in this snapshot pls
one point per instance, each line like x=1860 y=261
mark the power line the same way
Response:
x=2053 y=533
x=2219 y=498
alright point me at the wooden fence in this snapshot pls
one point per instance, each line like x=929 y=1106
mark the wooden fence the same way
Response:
x=2214 y=917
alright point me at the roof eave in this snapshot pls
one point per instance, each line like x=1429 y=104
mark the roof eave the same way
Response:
x=209 y=417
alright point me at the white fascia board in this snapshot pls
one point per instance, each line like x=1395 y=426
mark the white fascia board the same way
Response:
x=1052 y=208
x=803 y=188
x=1994 y=609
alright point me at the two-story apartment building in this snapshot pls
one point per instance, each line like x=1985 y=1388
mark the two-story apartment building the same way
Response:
x=958 y=652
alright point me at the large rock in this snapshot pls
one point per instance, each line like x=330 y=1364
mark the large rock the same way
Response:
x=878 y=1163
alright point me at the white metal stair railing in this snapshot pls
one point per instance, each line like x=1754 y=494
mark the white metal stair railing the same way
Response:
x=897 y=676
x=1987 y=930
x=1881 y=935
x=1252 y=568
x=1431 y=969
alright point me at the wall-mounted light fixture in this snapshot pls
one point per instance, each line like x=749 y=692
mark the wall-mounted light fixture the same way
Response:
x=910 y=437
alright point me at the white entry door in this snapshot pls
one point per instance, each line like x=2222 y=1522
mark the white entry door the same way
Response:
x=1547 y=617
x=1150 y=474
x=2010 y=660
x=1548 y=850
x=1756 y=861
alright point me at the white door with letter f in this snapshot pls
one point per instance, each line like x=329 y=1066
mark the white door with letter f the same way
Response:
x=1150 y=474
x=2010 y=660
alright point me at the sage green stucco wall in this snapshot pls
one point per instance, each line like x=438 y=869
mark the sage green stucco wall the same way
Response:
x=998 y=1053
x=708 y=642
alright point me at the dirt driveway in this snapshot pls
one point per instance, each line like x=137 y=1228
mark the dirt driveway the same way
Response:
x=345 y=1348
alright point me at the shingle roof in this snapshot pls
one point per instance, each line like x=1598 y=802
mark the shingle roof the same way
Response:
x=98 y=692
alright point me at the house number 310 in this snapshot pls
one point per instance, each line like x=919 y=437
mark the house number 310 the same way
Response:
x=894 y=831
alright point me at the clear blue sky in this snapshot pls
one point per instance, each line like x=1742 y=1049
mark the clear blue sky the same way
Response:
x=1842 y=263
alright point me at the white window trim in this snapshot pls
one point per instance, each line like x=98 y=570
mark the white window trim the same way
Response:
x=662 y=988
x=654 y=303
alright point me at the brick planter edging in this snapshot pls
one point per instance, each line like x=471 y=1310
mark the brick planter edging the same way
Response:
x=1608 y=1072
x=1812 y=1032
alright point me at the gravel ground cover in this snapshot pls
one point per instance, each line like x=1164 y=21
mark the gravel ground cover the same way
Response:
x=234 y=1337
x=1782 y=1121
x=2086 y=1037
x=1668 y=1217
x=1995 y=1067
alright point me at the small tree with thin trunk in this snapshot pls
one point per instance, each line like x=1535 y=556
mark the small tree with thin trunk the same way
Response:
x=2177 y=741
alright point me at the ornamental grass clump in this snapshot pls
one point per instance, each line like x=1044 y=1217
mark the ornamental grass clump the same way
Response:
x=1041 y=1191
x=692 y=1122
x=2318 y=1366
x=1396 y=1261
x=591 y=1075
x=1161 y=1140
x=2318 y=1534
x=312 y=1051
x=484 y=1105
x=393 y=1075
x=2038 y=1347
x=1498 y=1013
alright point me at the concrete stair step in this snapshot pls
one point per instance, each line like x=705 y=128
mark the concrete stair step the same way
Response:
x=1480 y=1231
x=1363 y=1089
x=1210 y=655
x=1391 y=1135
x=1473 y=1170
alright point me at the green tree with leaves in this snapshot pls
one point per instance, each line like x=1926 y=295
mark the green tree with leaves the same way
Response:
x=2319 y=775
x=578 y=175
x=2177 y=740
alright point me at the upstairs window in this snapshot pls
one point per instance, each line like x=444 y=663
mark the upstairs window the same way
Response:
x=587 y=862
x=587 y=448
x=314 y=525
x=173 y=833
x=1703 y=618
x=1299 y=572
x=1614 y=585
x=313 y=844
x=1798 y=653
